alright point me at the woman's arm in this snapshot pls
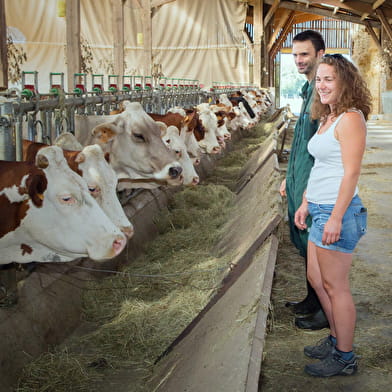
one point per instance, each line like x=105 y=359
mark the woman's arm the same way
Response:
x=351 y=133
x=301 y=214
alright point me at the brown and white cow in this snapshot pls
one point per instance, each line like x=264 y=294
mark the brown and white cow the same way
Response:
x=186 y=122
x=101 y=180
x=133 y=139
x=48 y=215
x=208 y=127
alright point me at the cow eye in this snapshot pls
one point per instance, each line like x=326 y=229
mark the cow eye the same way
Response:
x=94 y=190
x=67 y=199
x=178 y=153
x=139 y=136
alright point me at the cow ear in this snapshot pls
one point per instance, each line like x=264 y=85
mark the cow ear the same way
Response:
x=36 y=185
x=41 y=161
x=162 y=128
x=104 y=133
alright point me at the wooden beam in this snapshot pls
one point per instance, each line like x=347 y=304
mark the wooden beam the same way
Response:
x=384 y=22
x=147 y=37
x=3 y=48
x=73 y=40
x=324 y=12
x=282 y=37
x=378 y=3
x=371 y=32
x=258 y=46
x=282 y=22
x=271 y=12
x=364 y=16
x=118 y=36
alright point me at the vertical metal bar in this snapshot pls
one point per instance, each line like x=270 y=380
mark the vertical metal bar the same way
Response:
x=7 y=145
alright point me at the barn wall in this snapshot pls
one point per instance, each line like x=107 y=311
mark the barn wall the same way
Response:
x=366 y=56
x=191 y=39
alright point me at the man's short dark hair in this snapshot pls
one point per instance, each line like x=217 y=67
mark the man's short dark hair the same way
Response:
x=311 y=35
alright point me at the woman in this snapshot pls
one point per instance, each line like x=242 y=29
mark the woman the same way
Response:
x=342 y=103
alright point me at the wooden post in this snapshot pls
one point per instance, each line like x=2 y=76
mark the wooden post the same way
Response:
x=147 y=37
x=3 y=49
x=258 y=39
x=118 y=36
x=73 y=40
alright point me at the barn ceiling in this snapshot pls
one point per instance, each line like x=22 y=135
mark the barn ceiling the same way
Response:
x=374 y=13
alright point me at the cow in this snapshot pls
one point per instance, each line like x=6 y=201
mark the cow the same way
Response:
x=48 y=214
x=206 y=131
x=174 y=141
x=137 y=153
x=91 y=164
x=185 y=121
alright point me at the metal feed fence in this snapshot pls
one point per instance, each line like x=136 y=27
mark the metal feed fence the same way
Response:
x=40 y=117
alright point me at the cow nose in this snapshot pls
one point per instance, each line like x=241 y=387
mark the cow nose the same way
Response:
x=195 y=180
x=128 y=231
x=175 y=171
x=216 y=150
x=196 y=162
x=118 y=245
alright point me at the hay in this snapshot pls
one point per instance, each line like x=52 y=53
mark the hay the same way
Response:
x=139 y=313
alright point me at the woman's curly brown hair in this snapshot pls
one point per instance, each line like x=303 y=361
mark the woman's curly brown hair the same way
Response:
x=354 y=94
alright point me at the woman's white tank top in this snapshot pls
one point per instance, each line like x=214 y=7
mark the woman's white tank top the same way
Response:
x=327 y=172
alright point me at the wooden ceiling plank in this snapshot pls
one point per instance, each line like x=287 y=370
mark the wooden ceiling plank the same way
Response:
x=371 y=32
x=324 y=12
x=271 y=12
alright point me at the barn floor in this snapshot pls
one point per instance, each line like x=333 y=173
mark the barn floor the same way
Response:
x=283 y=363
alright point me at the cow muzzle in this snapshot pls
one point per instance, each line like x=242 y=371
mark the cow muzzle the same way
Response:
x=175 y=172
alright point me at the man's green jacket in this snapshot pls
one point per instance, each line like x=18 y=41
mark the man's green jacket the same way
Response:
x=299 y=166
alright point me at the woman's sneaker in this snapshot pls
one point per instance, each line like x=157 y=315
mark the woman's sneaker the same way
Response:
x=333 y=365
x=321 y=350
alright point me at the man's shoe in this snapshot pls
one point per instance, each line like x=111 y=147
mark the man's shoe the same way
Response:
x=304 y=307
x=321 y=350
x=314 y=322
x=333 y=365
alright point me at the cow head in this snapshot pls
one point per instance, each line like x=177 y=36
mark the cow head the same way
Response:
x=174 y=141
x=208 y=125
x=136 y=149
x=101 y=180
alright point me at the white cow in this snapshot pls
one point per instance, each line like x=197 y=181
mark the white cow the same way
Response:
x=48 y=214
x=174 y=141
x=99 y=176
x=137 y=153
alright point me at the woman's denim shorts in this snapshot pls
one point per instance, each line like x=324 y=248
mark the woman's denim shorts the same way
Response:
x=354 y=225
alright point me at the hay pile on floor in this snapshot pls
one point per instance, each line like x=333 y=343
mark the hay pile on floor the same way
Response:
x=138 y=313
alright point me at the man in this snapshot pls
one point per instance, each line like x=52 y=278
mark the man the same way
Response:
x=308 y=47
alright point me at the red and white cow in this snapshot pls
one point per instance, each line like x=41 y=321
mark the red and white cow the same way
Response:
x=133 y=140
x=48 y=215
x=209 y=128
x=185 y=122
x=99 y=176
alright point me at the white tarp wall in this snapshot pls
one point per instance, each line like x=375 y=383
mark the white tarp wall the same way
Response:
x=191 y=39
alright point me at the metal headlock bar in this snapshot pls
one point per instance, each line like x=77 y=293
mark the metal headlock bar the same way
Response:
x=42 y=117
